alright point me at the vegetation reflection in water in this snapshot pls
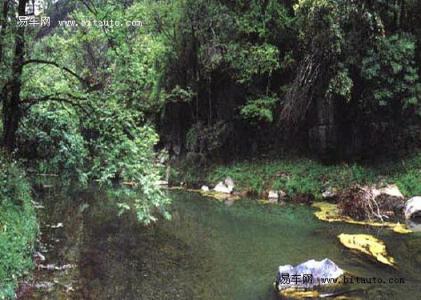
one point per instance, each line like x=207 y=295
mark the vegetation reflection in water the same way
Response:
x=209 y=250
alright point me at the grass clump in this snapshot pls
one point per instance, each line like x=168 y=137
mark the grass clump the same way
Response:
x=298 y=176
x=408 y=176
x=294 y=176
x=18 y=227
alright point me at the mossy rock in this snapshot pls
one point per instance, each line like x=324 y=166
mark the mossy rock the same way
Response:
x=369 y=245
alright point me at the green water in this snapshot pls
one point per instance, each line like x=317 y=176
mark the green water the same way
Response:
x=209 y=250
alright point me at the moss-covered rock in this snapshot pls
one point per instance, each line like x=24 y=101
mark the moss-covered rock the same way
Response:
x=369 y=245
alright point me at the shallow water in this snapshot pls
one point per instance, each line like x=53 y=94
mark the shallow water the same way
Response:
x=209 y=250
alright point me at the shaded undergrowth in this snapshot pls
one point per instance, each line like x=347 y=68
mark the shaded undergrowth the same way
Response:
x=18 y=227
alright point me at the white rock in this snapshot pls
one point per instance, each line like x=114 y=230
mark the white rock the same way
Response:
x=318 y=270
x=413 y=207
x=229 y=183
x=58 y=225
x=205 y=188
x=38 y=255
x=329 y=193
x=222 y=188
x=273 y=195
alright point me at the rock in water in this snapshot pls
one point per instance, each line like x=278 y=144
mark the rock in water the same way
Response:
x=413 y=208
x=222 y=188
x=273 y=195
x=205 y=188
x=307 y=275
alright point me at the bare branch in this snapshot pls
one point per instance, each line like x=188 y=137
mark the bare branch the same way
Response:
x=90 y=6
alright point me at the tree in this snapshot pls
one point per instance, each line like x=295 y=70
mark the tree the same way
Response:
x=88 y=121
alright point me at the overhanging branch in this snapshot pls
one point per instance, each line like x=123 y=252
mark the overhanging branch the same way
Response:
x=52 y=63
x=62 y=98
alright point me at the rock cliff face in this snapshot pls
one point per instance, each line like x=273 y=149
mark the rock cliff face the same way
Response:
x=323 y=133
x=332 y=131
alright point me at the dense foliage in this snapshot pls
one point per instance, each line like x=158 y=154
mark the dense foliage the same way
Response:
x=266 y=69
x=18 y=226
x=85 y=99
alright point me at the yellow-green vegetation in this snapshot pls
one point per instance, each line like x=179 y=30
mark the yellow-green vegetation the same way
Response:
x=220 y=196
x=211 y=194
x=369 y=245
x=299 y=294
x=295 y=176
x=18 y=227
x=329 y=212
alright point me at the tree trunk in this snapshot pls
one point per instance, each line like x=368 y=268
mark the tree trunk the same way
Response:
x=11 y=92
x=3 y=26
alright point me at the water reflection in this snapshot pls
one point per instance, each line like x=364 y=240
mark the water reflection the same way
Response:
x=209 y=250
x=414 y=224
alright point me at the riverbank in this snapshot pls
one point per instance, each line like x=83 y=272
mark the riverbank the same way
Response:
x=18 y=227
x=297 y=176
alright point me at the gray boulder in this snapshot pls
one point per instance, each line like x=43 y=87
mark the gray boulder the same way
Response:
x=413 y=208
x=412 y=213
x=307 y=275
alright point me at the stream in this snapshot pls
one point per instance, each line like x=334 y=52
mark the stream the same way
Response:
x=209 y=250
